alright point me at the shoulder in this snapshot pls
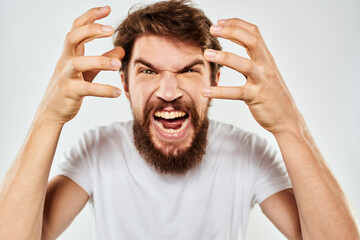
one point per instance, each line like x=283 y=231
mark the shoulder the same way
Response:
x=113 y=129
x=224 y=132
x=101 y=135
x=231 y=140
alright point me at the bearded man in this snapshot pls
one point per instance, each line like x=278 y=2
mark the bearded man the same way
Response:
x=171 y=173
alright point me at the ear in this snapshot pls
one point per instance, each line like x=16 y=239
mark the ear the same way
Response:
x=126 y=87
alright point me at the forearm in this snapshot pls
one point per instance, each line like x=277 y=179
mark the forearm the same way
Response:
x=23 y=189
x=324 y=210
x=323 y=207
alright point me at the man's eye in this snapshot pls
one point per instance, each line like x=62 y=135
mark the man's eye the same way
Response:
x=191 y=71
x=147 y=71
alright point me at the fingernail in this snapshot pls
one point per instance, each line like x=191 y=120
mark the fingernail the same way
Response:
x=210 y=53
x=221 y=21
x=216 y=28
x=206 y=91
x=117 y=92
x=106 y=28
x=115 y=63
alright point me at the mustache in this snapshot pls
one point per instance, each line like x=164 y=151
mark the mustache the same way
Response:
x=177 y=104
x=171 y=160
x=187 y=106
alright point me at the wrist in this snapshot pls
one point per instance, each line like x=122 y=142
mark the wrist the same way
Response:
x=42 y=119
x=46 y=115
x=297 y=129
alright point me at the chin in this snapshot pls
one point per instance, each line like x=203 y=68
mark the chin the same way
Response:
x=171 y=137
x=171 y=147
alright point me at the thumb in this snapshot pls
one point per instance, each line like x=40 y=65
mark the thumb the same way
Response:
x=117 y=52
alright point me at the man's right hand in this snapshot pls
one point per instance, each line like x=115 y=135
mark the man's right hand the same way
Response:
x=74 y=72
x=23 y=190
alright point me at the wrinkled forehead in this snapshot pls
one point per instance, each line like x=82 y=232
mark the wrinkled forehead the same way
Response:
x=164 y=53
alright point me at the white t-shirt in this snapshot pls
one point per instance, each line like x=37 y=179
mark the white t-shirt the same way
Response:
x=211 y=201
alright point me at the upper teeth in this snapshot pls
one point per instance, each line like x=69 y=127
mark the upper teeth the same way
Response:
x=170 y=115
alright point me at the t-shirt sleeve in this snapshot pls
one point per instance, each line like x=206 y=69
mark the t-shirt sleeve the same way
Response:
x=77 y=162
x=269 y=174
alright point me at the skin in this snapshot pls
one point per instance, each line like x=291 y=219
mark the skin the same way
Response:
x=323 y=208
x=163 y=73
x=27 y=177
x=50 y=207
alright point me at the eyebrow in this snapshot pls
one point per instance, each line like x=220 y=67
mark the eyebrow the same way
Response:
x=187 y=67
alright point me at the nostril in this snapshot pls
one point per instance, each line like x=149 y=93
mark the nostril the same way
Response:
x=168 y=87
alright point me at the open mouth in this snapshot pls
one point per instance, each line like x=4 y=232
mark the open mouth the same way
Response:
x=172 y=125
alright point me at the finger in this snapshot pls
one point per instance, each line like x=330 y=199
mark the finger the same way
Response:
x=97 y=90
x=240 y=64
x=117 y=52
x=252 y=42
x=84 y=34
x=90 y=16
x=235 y=93
x=252 y=28
x=235 y=34
x=86 y=63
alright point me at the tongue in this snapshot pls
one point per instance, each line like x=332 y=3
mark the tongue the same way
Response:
x=173 y=124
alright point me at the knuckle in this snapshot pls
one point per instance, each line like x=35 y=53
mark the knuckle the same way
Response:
x=105 y=90
x=219 y=92
x=232 y=29
x=254 y=28
x=109 y=91
x=95 y=27
x=272 y=74
x=69 y=39
x=239 y=92
x=84 y=89
x=83 y=18
x=74 y=64
x=104 y=63
x=233 y=20
x=254 y=42
x=249 y=67
x=224 y=57
x=100 y=63
x=76 y=22
x=229 y=31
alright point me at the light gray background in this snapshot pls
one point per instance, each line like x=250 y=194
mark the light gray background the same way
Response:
x=315 y=44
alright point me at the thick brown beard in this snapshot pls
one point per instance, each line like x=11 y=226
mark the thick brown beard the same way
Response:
x=174 y=161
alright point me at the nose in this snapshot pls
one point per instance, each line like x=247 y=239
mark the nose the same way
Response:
x=168 y=87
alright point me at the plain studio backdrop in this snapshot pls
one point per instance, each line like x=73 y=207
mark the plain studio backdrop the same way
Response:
x=315 y=44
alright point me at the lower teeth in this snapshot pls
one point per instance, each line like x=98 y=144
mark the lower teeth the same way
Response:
x=170 y=130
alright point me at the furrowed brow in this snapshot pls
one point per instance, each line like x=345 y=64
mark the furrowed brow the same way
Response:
x=194 y=63
x=187 y=67
x=143 y=62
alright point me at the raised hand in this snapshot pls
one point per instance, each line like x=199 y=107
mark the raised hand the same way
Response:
x=265 y=91
x=74 y=72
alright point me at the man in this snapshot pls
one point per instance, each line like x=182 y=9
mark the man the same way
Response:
x=171 y=173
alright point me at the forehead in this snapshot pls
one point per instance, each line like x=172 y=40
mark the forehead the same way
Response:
x=165 y=53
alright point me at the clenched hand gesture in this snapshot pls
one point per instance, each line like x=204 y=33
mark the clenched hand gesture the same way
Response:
x=265 y=92
x=74 y=72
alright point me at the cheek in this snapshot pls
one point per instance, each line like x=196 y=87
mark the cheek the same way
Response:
x=141 y=92
x=193 y=87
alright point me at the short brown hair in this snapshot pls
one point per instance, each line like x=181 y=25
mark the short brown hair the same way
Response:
x=174 y=19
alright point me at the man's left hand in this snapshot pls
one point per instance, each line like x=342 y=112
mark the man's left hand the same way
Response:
x=265 y=91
